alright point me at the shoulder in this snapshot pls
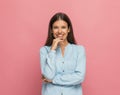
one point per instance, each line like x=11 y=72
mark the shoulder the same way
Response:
x=78 y=47
x=44 y=48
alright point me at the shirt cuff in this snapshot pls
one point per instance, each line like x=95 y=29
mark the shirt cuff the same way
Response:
x=52 y=53
x=56 y=79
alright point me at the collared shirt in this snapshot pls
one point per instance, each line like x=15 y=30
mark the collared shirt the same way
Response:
x=66 y=72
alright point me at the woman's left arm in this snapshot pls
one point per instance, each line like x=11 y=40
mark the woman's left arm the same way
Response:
x=78 y=75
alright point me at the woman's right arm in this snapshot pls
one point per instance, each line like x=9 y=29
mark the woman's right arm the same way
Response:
x=47 y=61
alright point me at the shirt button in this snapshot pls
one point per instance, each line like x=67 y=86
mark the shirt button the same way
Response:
x=63 y=70
x=62 y=62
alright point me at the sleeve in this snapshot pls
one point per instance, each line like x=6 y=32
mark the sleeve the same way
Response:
x=78 y=75
x=47 y=61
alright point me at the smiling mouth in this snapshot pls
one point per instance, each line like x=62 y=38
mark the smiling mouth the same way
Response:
x=59 y=35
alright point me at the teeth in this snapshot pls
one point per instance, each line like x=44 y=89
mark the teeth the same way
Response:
x=59 y=35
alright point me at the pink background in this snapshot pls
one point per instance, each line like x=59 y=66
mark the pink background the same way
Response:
x=23 y=30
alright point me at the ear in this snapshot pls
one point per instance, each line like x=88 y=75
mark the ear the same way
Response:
x=68 y=29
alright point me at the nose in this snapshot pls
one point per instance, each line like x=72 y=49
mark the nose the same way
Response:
x=59 y=31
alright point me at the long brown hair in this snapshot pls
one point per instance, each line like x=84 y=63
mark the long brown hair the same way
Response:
x=56 y=17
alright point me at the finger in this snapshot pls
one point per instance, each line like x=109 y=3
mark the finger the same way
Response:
x=46 y=80
x=58 y=39
x=42 y=77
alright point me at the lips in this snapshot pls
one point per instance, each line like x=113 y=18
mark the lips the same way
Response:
x=60 y=36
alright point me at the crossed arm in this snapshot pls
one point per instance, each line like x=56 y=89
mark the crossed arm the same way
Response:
x=49 y=71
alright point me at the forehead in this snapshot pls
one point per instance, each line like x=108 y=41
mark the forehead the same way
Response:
x=59 y=23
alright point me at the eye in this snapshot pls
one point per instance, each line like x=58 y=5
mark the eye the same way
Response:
x=63 y=27
x=55 y=27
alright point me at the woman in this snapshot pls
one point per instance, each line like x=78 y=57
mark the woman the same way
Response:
x=63 y=62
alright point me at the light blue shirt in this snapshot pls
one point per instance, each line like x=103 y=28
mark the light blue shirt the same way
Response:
x=66 y=72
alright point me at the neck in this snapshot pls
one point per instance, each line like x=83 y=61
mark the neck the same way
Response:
x=63 y=43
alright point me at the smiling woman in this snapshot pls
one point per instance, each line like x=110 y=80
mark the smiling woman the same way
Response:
x=60 y=29
x=63 y=62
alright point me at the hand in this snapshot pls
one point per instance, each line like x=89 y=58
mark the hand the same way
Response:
x=55 y=43
x=46 y=80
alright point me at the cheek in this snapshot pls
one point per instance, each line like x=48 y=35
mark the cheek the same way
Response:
x=55 y=30
x=54 y=34
x=65 y=31
x=66 y=34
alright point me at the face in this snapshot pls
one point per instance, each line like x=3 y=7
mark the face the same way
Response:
x=60 y=29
